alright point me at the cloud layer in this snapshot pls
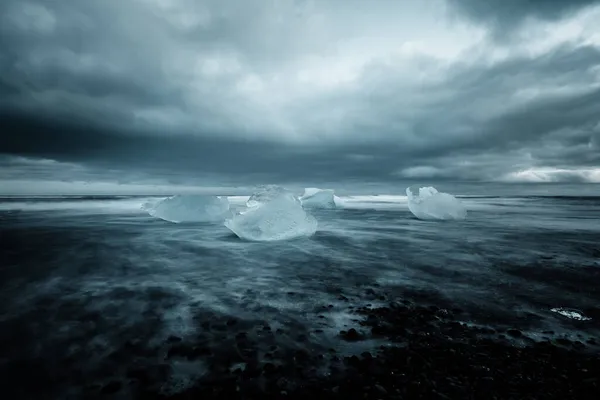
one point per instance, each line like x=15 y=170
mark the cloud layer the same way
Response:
x=204 y=91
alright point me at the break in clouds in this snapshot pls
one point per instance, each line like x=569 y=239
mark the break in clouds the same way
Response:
x=230 y=92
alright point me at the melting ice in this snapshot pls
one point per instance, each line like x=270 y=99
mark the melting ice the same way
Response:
x=318 y=198
x=573 y=314
x=189 y=208
x=428 y=203
x=264 y=194
x=276 y=217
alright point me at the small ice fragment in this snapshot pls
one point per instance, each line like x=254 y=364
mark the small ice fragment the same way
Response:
x=318 y=198
x=429 y=204
x=570 y=313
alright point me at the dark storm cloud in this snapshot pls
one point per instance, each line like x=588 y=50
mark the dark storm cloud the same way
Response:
x=545 y=107
x=12 y=167
x=94 y=60
x=453 y=125
x=187 y=155
x=506 y=15
x=130 y=90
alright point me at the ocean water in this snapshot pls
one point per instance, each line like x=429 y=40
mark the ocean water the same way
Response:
x=80 y=276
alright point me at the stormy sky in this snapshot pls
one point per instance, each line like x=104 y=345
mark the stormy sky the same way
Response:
x=230 y=92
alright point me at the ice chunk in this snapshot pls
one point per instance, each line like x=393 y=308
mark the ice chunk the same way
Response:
x=318 y=198
x=428 y=203
x=280 y=218
x=266 y=193
x=190 y=208
x=570 y=313
x=150 y=204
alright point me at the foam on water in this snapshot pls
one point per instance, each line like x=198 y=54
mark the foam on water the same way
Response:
x=142 y=204
x=113 y=206
x=189 y=208
x=359 y=202
x=371 y=202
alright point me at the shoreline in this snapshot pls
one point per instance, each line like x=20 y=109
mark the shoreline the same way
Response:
x=427 y=353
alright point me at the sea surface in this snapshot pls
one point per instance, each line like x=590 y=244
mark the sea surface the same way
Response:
x=82 y=275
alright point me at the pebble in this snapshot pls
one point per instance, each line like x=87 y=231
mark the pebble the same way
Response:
x=111 y=387
x=514 y=333
x=174 y=339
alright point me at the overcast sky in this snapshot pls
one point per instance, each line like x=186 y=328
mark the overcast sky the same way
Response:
x=220 y=92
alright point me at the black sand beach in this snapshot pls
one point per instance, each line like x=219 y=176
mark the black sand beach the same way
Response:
x=111 y=303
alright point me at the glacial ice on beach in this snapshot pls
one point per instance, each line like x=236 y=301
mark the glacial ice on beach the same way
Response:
x=427 y=203
x=570 y=313
x=189 y=208
x=279 y=218
x=150 y=204
x=318 y=198
x=264 y=194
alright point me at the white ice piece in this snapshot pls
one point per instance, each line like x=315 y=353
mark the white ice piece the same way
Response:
x=280 y=218
x=266 y=193
x=427 y=203
x=150 y=204
x=190 y=208
x=318 y=198
x=570 y=313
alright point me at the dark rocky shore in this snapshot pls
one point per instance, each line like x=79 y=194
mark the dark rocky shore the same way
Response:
x=426 y=354
x=415 y=351
x=449 y=362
